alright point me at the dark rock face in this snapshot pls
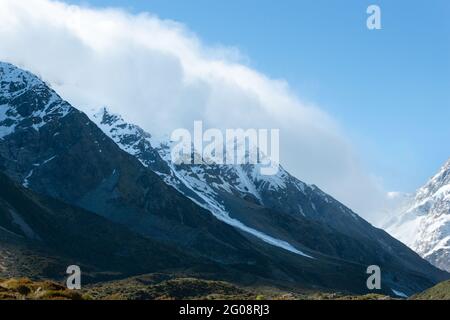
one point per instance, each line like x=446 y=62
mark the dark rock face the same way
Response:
x=58 y=153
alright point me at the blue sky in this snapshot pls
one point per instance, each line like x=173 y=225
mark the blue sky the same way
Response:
x=389 y=89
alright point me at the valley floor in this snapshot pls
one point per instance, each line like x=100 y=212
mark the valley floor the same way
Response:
x=158 y=287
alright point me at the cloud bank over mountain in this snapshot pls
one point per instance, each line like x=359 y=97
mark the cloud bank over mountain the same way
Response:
x=159 y=75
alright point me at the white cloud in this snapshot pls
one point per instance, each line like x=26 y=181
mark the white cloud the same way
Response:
x=161 y=76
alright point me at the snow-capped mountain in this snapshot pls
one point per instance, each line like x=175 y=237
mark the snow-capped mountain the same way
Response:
x=425 y=224
x=269 y=207
x=203 y=183
x=222 y=188
x=16 y=87
x=229 y=220
x=51 y=148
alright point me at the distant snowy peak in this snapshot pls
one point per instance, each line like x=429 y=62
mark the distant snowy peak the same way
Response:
x=434 y=197
x=26 y=101
x=440 y=180
x=425 y=224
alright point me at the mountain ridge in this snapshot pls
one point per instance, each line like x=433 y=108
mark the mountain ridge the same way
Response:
x=71 y=159
x=137 y=142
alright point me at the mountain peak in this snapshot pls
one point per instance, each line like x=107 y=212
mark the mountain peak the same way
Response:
x=438 y=181
x=13 y=79
x=26 y=101
x=104 y=115
x=425 y=224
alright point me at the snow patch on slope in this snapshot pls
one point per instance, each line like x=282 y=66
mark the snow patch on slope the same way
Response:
x=399 y=293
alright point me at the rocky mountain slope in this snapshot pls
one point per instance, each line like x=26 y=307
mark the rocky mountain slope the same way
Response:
x=425 y=224
x=248 y=228
x=41 y=236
